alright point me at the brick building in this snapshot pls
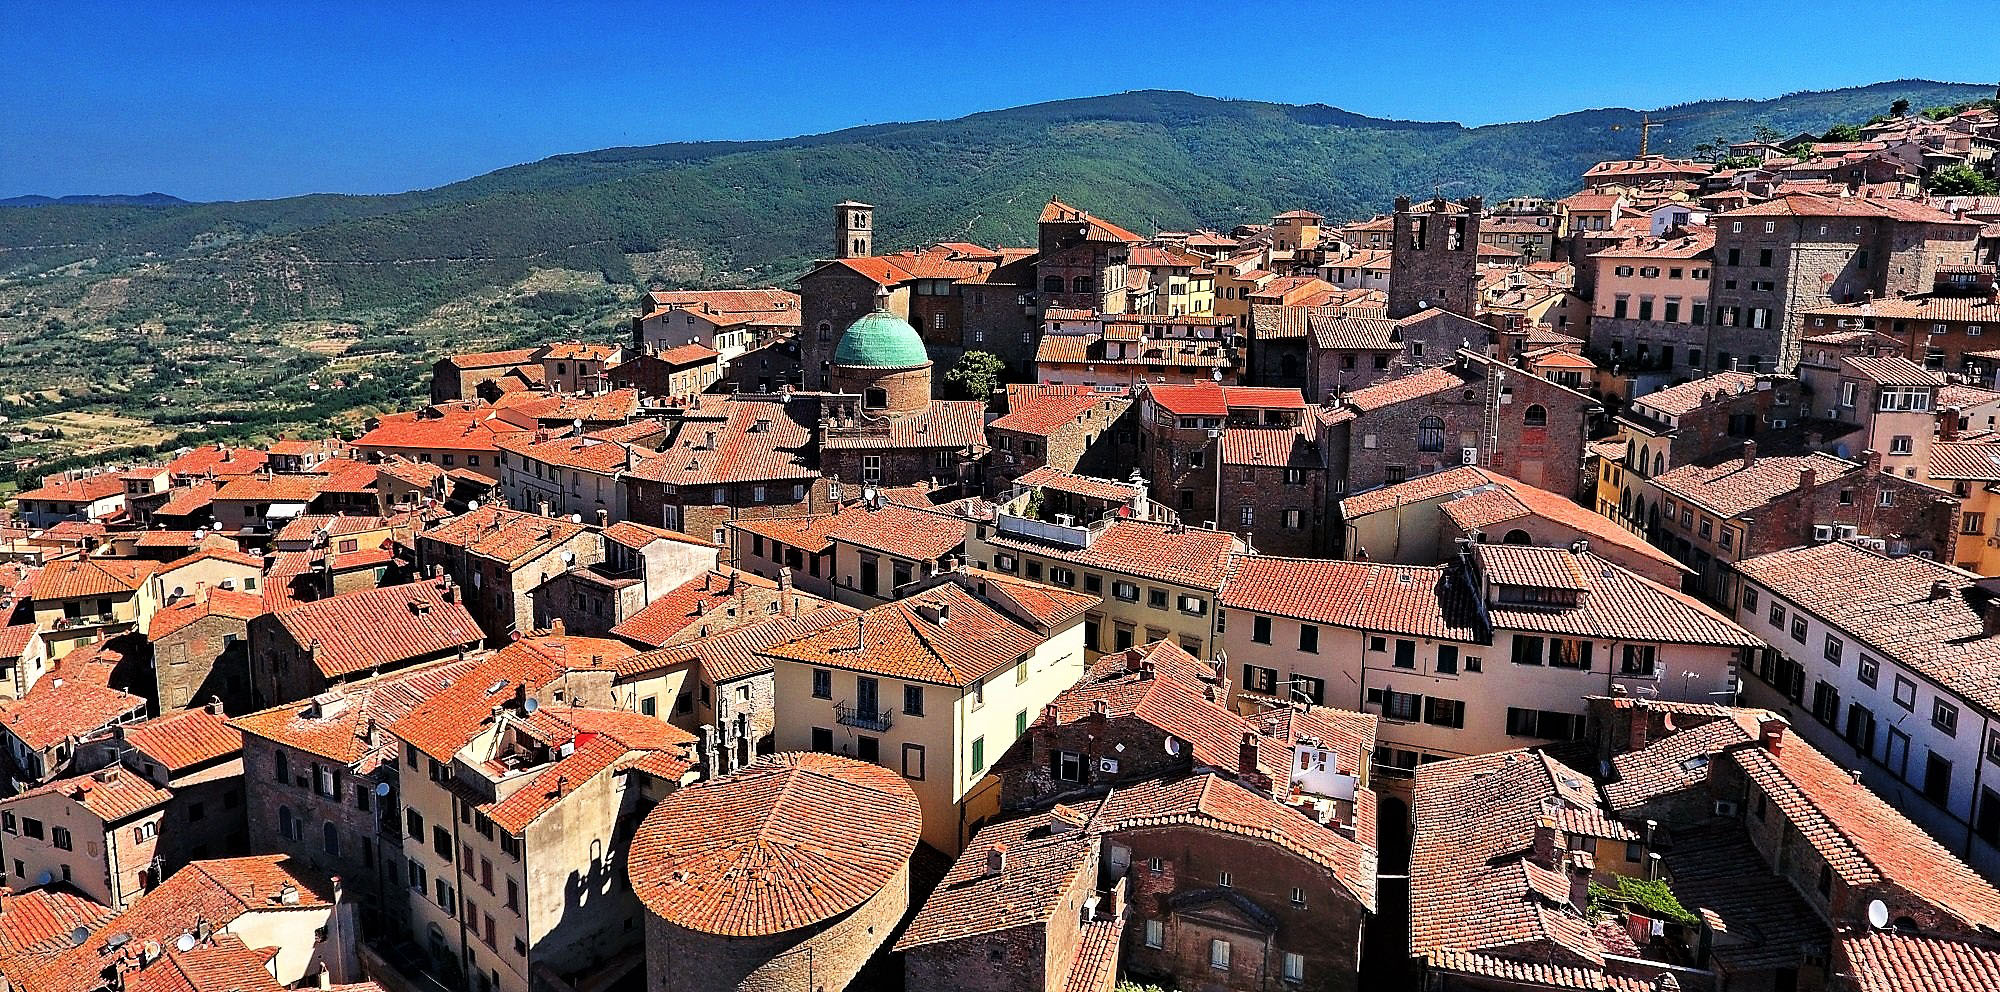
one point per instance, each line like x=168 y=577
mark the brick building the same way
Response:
x=201 y=649
x=1692 y=422
x=1345 y=352
x=458 y=377
x=1945 y=329
x=641 y=564
x=730 y=459
x=496 y=557
x=1079 y=429
x=1713 y=514
x=1081 y=263
x=1182 y=429
x=670 y=373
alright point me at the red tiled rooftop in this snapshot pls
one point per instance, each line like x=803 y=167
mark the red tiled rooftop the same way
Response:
x=378 y=628
x=786 y=843
x=186 y=738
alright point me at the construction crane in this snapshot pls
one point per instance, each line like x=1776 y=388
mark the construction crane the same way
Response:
x=1647 y=124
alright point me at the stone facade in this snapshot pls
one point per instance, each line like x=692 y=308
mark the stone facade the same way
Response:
x=204 y=660
x=288 y=809
x=1435 y=259
x=825 y=956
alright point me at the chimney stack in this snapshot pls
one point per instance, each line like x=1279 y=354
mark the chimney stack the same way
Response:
x=996 y=859
x=1948 y=424
x=1749 y=453
x=1246 y=756
x=1580 y=866
x=1771 y=734
x=1545 y=843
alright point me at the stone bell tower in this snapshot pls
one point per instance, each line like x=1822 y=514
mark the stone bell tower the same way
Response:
x=853 y=229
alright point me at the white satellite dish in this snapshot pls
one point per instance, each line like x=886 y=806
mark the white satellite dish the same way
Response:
x=185 y=943
x=530 y=705
x=1878 y=914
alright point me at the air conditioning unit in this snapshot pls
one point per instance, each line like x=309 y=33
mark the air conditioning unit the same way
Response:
x=1108 y=766
x=1468 y=456
x=1846 y=531
x=1822 y=533
x=1725 y=807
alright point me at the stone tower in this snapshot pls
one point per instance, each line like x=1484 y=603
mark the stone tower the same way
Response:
x=853 y=229
x=1435 y=261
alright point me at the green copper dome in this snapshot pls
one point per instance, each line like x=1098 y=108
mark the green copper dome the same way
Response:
x=882 y=340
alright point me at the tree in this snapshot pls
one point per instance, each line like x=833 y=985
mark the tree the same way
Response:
x=978 y=373
x=1901 y=108
x=1960 y=180
x=1843 y=132
x=1767 y=134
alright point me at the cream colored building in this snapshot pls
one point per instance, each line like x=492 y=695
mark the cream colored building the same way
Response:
x=936 y=686
x=1497 y=650
x=1154 y=581
x=77 y=600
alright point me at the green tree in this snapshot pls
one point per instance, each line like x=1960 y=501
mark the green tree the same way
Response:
x=978 y=373
x=1901 y=108
x=1960 y=180
x=1767 y=134
x=1842 y=132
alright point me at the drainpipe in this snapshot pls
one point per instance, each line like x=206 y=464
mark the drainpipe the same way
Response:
x=1978 y=774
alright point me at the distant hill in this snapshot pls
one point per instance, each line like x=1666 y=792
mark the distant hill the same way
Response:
x=234 y=313
x=121 y=199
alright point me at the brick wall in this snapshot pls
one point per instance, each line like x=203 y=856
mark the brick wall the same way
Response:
x=831 y=952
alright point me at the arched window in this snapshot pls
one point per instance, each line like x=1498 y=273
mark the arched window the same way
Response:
x=285 y=822
x=1625 y=504
x=1081 y=284
x=1659 y=462
x=1430 y=434
x=1052 y=284
x=1536 y=416
x=860 y=247
x=825 y=331
x=1516 y=536
x=1645 y=457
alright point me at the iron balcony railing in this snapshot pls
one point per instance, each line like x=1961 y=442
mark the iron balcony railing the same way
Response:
x=875 y=719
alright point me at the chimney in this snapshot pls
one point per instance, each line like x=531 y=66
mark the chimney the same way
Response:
x=1100 y=708
x=215 y=705
x=603 y=517
x=1146 y=669
x=1771 y=734
x=1749 y=453
x=541 y=508
x=1872 y=459
x=556 y=627
x=1545 y=843
x=1940 y=589
x=1246 y=756
x=784 y=580
x=1050 y=714
x=1580 y=866
x=1949 y=423
x=1807 y=479
x=996 y=859
x=1640 y=729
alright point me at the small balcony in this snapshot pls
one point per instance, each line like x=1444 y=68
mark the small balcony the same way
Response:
x=877 y=720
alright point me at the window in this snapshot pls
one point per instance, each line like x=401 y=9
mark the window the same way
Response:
x=1906 y=693
x=1799 y=629
x=1260 y=680
x=1447 y=659
x=1535 y=416
x=1156 y=598
x=1639 y=660
x=1440 y=712
x=1749 y=600
x=1126 y=591
x=1944 y=716
x=822 y=684
x=1548 y=724
x=1430 y=434
x=59 y=836
x=1405 y=706
x=1260 y=630
x=1974 y=523
x=330 y=838
x=1937 y=779
x=822 y=739
x=1406 y=654
x=1868 y=671
x=1224 y=879
x=1295 y=967
x=1777 y=615
x=1156 y=934
x=913 y=700
x=1308 y=638
x=979 y=754
x=1218 y=954
x=1068 y=766
x=418 y=881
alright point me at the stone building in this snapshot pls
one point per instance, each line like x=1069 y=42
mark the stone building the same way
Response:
x=641 y=564
x=458 y=377
x=1434 y=261
x=201 y=649
x=1345 y=352
x=302 y=651
x=723 y=460
x=97 y=832
x=834 y=835
x=1184 y=429
x=497 y=557
x=671 y=373
x=1696 y=421
x=1084 y=430
x=1650 y=316
x=1476 y=411
x=1777 y=259
x=321 y=779
x=1082 y=260
x=880 y=425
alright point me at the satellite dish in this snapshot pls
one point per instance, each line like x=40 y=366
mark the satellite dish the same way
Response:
x=530 y=704
x=78 y=936
x=44 y=878
x=1878 y=914
x=382 y=789
x=185 y=944
x=576 y=518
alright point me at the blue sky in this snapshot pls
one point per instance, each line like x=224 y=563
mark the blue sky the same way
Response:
x=212 y=100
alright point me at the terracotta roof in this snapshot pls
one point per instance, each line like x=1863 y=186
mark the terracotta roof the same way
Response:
x=576 y=452
x=282 y=488
x=1290 y=447
x=38 y=923
x=113 y=795
x=1045 y=414
x=941 y=424
x=14 y=640
x=492 y=359
x=589 y=351
x=505 y=535
x=225 y=962
x=85 y=490
x=719 y=599
x=637 y=535
x=457 y=429
x=1892 y=961
x=738 y=653
x=1402 y=389
x=336 y=724
x=1167 y=552
x=72 y=578
x=445 y=722
x=1044 y=855
x=1969 y=460
x=304 y=528
x=1617 y=604
x=378 y=628
x=186 y=738
x=1050 y=477
x=1811 y=205
x=786 y=843
x=188 y=500
x=1730 y=489
x=968 y=642
x=1097 y=228
x=1894 y=607
x=752 y=441
x=1680 y=400
x=219 y=891
x=58 y=707
x=600 y=741
x=1410 y=599
x=1940 y=307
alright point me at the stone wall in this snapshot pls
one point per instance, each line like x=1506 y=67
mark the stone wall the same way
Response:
x=825 y=956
